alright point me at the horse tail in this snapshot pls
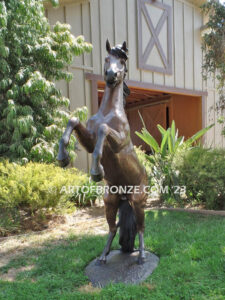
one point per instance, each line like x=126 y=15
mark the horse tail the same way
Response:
x=128 y=227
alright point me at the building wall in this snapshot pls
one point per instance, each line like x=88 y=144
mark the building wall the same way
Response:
x=117 y=20
x=78 y=90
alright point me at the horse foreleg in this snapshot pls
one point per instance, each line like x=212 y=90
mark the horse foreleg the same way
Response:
x=111 y=208
x=97 y=171
x=85 y=138
x=82 y=134
x=116 y=141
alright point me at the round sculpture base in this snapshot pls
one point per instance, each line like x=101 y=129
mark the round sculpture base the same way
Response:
x=121 y=267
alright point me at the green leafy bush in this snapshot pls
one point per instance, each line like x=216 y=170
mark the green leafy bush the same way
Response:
x=35 y=190
x=87 y=194
x=213 y=45
x=143 y=158
x=202 y=172
x=32 y=58
x=163 y=172
x=9 y=221
x=37 y=185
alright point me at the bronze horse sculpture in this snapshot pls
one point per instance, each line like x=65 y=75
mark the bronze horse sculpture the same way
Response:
x=107 y=137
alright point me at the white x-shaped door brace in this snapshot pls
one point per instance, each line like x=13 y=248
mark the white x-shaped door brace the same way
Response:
x=154 y=39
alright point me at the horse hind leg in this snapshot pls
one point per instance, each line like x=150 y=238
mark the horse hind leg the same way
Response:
x=111 y=208
x=138 y=203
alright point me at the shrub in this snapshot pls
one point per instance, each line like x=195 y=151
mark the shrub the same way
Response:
x=202 y=172
x=86 y=194
x=143 y=158
x=33 y=112
x=9 y=221
x=213 y=46
x=37 y=185
x=163 y=172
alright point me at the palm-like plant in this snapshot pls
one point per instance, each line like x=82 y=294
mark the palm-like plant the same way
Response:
x=171 y=143
x=163 y=154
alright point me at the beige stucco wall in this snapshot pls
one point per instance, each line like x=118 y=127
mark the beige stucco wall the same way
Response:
x=98 y=20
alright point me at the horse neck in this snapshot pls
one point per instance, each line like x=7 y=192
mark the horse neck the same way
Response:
x=112 y=99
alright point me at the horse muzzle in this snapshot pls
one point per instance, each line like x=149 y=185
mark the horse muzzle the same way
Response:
x=111 y=84
x=111 y=78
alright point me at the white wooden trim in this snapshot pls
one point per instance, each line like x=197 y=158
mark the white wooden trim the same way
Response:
x=82 y=67
x=47 y=3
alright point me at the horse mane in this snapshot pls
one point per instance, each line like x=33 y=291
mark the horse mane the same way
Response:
x=126 y=93
x=118 y=51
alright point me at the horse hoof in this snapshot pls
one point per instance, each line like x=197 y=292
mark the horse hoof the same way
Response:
x=64 y=162
x=96 y=177
x=63 y=158
x=141 y=260
x=100 y=262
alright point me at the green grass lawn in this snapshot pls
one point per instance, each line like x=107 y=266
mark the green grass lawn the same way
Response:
x=192 y=263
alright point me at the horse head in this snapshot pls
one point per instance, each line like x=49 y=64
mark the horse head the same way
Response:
x=115 y=64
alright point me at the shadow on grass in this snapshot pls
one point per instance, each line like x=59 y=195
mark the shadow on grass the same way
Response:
x=192 y=263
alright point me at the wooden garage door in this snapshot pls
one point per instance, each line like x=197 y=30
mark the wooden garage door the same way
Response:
x=152 y=116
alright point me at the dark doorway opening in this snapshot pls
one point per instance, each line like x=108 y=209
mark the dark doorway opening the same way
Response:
x=161 y=108
x=167 y=117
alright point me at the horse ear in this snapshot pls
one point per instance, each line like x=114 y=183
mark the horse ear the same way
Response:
x=108 y=47
x=124 y=46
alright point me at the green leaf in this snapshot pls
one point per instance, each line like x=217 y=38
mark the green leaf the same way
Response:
x=55 y=3
x=161 y=129
x=148 y=139
x=142 y=120
x=178 y=143
x=173 y=130
x=164 y=144
x=151 y=159
x=170 y=142
x=199 y=134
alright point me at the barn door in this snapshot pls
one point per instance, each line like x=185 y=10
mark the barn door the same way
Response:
x=155 y=36
x=152 y=116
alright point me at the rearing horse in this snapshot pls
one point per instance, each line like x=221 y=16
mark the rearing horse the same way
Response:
x=107 y=137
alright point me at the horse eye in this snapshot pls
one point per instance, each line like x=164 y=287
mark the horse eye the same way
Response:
x=107 y=59
x=122 y=62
